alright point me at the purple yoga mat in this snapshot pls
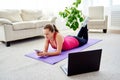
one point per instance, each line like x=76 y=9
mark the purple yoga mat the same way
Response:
x=63 y=55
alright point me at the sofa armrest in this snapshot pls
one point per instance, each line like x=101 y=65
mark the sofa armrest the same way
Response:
x=106 y=21
x=106 y=18
x=5 y=31
x=4 y=21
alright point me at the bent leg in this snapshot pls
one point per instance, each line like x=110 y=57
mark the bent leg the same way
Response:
x=81 y=41
x=80 y=33
x=83 y=33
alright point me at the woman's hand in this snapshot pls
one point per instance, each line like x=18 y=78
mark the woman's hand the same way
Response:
x=42 y=54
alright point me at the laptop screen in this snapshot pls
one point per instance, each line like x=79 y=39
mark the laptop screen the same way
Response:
x=82 y=62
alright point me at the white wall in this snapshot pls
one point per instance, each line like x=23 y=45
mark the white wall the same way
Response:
x=54 y=6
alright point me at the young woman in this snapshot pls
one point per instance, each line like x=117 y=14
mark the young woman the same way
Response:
x=60 y=43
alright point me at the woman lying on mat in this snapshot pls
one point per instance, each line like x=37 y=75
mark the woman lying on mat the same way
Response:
x=58 y=42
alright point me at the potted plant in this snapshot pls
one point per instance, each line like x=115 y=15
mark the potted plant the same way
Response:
x=72 y=15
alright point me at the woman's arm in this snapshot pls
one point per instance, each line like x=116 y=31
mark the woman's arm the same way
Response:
x=59 y=41
x=46 y=46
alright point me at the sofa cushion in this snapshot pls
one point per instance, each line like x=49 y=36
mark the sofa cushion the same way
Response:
x=28 y=15
x=23 y=25
x=41 y=23
x=11 y=14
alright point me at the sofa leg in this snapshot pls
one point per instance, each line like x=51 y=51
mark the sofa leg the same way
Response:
x=7 y=44
x=104 y=30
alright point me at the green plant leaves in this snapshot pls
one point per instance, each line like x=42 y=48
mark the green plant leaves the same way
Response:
x=81 y=19
x=76 y=3
x=74 y=25
x=61 y=13
x=73 y=15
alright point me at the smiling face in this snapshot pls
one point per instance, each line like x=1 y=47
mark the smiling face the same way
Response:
x=48 y=34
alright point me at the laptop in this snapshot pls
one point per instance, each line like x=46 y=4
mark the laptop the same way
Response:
x=82 y=62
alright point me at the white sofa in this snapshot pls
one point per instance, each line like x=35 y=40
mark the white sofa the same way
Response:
x=97 y=19
x=21 y=24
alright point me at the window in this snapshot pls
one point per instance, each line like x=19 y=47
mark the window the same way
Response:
x=115 y=2
x=105 y=3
